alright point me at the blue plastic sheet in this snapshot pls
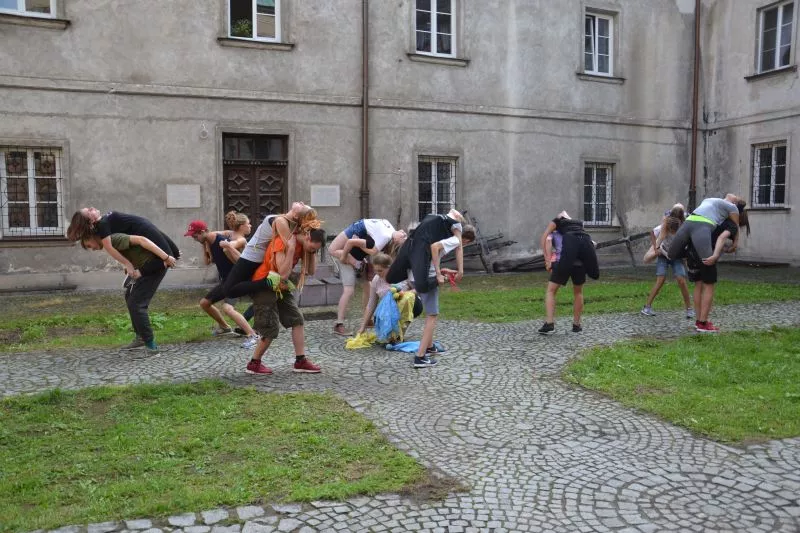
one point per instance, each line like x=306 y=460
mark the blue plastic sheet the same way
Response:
x=387 y=318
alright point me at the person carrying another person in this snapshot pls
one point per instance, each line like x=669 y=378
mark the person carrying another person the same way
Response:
x=275 y=305
x=351 y=250
x=443 y=234
x=89 y=221
x=697 y=232
x=661 y=236
x=150 y=264
x=213 y=252
x=576 y=260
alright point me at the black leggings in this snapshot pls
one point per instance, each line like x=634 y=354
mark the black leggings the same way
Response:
x=579 y=246
x=415 y=254
x=239 y=281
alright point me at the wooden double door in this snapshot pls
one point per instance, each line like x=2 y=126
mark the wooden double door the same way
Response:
x=255 y=172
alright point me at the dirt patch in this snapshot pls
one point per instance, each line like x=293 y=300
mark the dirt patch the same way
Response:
x=11 y=336
x=74 y=331
x=433 y=488
x=641 y=390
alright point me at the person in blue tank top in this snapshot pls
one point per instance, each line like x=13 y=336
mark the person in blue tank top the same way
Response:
x=215 y=252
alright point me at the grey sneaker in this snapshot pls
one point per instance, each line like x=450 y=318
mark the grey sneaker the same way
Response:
x=648 y=311
x=216 y=331
x=690 y=312
x=135 y=344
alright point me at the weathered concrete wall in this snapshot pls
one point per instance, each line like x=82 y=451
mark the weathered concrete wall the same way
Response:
x=741 y=112
x=132 y=100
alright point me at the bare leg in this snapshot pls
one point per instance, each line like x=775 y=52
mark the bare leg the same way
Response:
x=213 y=312
x=427 y=334
x=708 y=300
x=655 y=290
x=577 y=307
x=550 y=301
x=684 y=292
x=237 y=317
x=698 y=297
x=261 y=348
x=299 y=340
x=344 y=300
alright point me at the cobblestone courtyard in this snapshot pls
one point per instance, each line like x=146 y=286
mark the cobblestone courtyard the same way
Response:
x=539 y=455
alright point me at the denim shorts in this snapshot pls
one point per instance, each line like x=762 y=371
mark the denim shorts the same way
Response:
x=678 y=268
x=356 y=228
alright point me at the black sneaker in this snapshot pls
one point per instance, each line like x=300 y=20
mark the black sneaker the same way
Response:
x=434 y=350
x=547 y=329
x=239 y=331
x=424 y=362
x=576 y=328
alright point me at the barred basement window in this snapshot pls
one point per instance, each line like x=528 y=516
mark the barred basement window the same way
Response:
x=769 y=175
x=437 y=185
x=31 y=198
x=597 y=193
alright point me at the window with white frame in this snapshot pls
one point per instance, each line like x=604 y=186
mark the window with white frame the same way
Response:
x=435 y=27
x=437 y=184
x=31 y=202
x=769 y=175
x=597 y=193
x=259 y=20
x=598 y=44
x=33 y=8
x=775 y=36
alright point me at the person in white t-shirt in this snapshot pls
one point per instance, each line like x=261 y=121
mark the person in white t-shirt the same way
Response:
x=430 y=299
x=352 y=248
x=661 y=236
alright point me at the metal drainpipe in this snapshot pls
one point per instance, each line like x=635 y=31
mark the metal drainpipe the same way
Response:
x=695 y=104
x=364 y=194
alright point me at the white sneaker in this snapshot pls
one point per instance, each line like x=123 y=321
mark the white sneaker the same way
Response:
x=648 y=311
x=250 y=342
x=690 y=312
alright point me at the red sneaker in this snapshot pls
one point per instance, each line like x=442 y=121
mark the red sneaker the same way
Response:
x=306 y=366
x=255 y=367
x=707 y=327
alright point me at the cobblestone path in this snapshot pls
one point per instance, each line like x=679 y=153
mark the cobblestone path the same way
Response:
x=538 y=455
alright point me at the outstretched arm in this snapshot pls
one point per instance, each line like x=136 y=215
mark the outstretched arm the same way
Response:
x=370 y=310
x=150 y=246
x=113 y=252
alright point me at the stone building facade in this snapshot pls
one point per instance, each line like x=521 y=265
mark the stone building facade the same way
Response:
x=512 y=110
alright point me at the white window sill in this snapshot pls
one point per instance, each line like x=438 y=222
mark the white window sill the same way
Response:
x=252 y=43
x=770 y=209
x=769 y=73
x=26 y=241
x=37 y=22
x=438 y=60
x=601 y=78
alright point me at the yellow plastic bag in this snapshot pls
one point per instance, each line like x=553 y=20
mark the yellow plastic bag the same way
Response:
x=362 y=340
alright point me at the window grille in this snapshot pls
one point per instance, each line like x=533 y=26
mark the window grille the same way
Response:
x=598 y=182
x=437 y=185
x=31 y=192
x=769 y=175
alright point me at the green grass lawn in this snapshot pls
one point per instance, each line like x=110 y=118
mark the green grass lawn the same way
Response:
x=147 y=451
x=76 y=320
x=734 y=387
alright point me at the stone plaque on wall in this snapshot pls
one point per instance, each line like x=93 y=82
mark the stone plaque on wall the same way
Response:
x=325 y=196
x=183 y=196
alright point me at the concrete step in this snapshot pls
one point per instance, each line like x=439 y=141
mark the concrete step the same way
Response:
x=320 y=292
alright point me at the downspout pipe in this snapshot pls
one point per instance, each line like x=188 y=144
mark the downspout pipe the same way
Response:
x=695 y=105
x=364 y=193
